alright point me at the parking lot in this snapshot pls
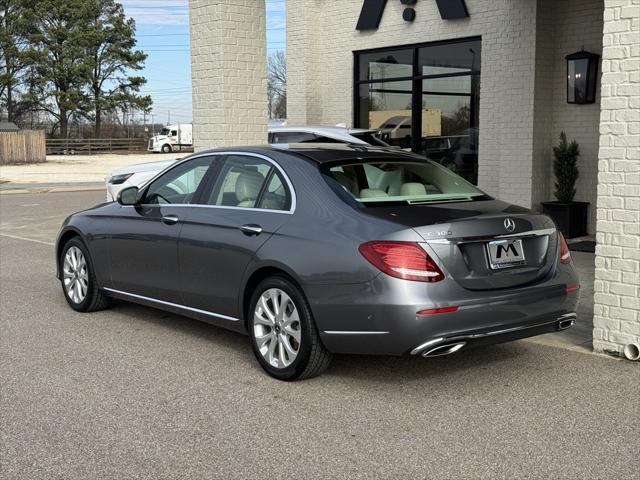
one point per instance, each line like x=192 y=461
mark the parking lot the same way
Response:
x=132 y=392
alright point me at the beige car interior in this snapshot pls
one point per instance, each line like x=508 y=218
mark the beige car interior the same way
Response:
x=382 y=183
x=248 y=185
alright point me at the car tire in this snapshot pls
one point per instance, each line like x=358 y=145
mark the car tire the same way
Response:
x=311 y=357
x=80 y=272
x=166 y=148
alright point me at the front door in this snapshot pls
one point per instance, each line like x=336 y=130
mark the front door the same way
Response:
x=143 y=247
x=243 y=206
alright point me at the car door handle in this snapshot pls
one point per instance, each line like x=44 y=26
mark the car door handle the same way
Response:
x=170 y=219
x=251 y=229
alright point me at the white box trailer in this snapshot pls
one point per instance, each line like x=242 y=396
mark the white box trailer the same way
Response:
x=171 y=138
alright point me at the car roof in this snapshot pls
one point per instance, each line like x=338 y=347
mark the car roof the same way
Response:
x=327 y=152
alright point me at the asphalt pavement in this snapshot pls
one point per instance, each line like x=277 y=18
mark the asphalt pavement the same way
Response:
x=133 y=392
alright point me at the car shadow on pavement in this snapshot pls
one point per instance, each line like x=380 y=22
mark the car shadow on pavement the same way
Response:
x=408 y=368
x=358 y=368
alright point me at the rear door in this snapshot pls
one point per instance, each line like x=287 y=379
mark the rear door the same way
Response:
x=244 y=203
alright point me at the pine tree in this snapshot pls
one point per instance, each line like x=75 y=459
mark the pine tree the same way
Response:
x=16 y=24
x=59 y=59
x=565 y=169
x=111 y=54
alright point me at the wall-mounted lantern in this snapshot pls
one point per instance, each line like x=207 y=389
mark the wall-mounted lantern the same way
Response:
x=582 y=77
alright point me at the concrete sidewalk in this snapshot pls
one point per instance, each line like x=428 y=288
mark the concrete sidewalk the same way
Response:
x=580 y=336
x=71 y=172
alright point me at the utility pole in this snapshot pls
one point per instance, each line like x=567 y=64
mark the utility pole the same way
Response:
x=168 y=117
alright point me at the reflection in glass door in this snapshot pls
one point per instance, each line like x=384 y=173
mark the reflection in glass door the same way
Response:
x=424 y=98
x=387 y=108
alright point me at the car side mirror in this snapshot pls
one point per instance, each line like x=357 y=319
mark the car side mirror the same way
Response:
x=128 y=196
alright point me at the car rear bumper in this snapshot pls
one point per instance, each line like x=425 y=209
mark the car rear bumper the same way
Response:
x=439 y=346
x=380 y=317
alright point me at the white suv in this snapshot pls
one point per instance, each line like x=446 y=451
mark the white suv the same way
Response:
x=137 y=175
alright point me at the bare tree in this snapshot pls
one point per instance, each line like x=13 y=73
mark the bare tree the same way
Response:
x=277 y=84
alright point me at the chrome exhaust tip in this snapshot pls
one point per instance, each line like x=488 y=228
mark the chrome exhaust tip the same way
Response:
x=446 y=349
x=564 y=324
x=567 y=320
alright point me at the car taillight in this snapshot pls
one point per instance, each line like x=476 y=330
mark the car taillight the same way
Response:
x=565 y=254
x=405 y=260
x=431 y=311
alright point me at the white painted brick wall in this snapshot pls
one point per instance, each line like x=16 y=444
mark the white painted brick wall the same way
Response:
x=617 y=275
x=321 y=72
x=228 y=72
x=516 y=132
x=579 y=24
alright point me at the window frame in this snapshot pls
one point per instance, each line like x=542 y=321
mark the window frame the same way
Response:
x=206 y=184
x=417 y=92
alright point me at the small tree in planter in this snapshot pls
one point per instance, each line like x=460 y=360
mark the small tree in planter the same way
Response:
x=570 y=216
x=564 y=167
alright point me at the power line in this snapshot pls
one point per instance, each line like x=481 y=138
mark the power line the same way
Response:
x=161 y=34
x=165 y=45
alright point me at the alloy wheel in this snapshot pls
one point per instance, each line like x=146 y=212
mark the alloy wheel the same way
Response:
x=75 y=275
x=276 y=328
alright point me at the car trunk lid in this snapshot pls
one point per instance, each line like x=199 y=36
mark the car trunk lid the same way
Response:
x=460 y=234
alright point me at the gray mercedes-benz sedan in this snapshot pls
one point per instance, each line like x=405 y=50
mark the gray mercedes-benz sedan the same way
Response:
x=320 y=249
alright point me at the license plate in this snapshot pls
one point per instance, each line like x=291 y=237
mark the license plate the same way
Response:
x=505 y=253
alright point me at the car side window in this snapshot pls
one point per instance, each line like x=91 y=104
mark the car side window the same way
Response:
x=249 y=182
x=276 y=196
x=178 y=185
x=325 y=140
x=293 y=137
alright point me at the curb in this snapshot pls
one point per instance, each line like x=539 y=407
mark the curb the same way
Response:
x=548 y=342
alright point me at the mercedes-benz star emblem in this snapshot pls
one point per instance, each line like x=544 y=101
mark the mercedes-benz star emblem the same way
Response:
x=509 y=224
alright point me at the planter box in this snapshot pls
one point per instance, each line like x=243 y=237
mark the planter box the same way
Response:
x=571 y=218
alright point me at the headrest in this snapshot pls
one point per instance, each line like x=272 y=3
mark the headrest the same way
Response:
x=372 y=193
x=248 y=185
x=412 y=188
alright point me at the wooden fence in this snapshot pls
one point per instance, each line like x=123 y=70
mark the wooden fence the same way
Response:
x=23 y=146
x=88 y=146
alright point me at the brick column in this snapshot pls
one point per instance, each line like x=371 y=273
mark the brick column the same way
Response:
x=228 y=72
x=306 y=62
x=617 y=277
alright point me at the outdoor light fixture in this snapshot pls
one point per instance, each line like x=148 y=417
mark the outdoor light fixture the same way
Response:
x=582 y=75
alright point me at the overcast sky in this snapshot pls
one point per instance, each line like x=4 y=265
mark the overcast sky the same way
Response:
x=162 y=31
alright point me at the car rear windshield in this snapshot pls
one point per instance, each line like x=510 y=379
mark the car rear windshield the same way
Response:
x=378 y=181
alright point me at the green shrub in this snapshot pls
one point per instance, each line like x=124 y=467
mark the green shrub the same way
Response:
x=565 y=169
